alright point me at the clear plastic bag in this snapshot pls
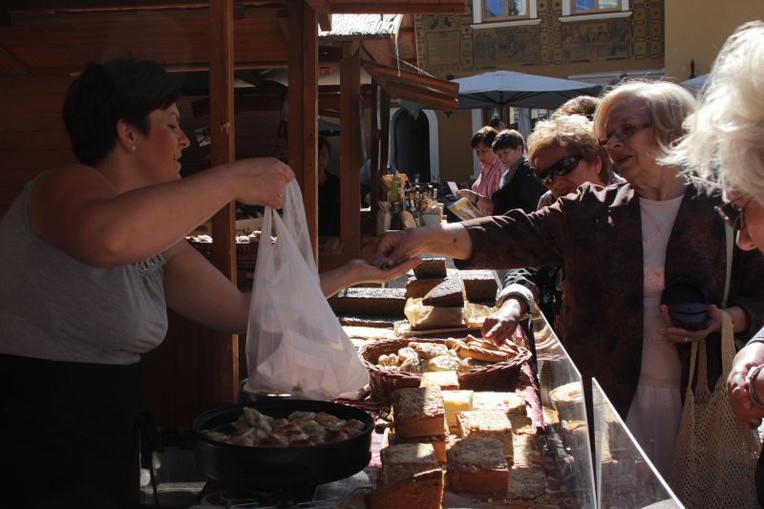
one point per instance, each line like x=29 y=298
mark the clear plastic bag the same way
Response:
x=295 y=343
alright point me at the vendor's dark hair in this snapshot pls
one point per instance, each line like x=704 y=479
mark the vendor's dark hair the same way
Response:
x=485 y=135
x=105 y=93
x=508 y=138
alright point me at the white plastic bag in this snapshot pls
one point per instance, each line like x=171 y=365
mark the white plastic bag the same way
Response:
x=295 y=343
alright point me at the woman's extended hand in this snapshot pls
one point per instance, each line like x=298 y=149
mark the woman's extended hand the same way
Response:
x=262 y=181
x=361 y=271
x=681 y=335
x=502 y=323
x=395 y=247
x=469 y=194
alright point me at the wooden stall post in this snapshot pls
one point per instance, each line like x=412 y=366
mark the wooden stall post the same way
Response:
x=350 y=143
x=224 y=349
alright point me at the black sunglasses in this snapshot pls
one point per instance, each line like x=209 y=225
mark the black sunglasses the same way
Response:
x=733 y=214
x=624 y=133
x=559 y=169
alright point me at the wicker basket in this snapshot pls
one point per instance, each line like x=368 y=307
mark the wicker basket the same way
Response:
x=500 y=376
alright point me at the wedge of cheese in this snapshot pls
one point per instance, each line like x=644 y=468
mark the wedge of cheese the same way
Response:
x=456 y=401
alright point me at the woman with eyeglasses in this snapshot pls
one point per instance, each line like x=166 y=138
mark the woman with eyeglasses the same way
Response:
x=564 y=154
x=725 y=137
x=620 y=247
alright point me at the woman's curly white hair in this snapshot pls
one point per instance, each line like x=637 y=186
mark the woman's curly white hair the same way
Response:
x=726 y=133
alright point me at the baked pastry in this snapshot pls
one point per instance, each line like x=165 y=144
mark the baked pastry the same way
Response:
x=423 y=490
x=487 y=424
x=510 y=402
x=567 y=398
x=418 y=412
x=449 y=293
x=439 y=443
x=478 y=465
x=401 y=461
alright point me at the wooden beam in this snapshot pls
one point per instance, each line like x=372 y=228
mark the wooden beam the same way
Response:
x=302 y=128
x=225 y=350
x=374 y=146
x=323 y=12
x=11 y=64
x=350 y=143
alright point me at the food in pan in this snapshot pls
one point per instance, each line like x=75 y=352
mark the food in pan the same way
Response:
x=299 y=429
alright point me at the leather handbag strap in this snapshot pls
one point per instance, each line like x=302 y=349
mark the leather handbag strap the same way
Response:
x=730 y=238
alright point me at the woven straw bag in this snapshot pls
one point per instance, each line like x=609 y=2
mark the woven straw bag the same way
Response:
x=714 y=457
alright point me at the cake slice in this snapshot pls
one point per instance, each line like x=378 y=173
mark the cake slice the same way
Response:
x=478 y=465
x=423 y=490
x=401 y=461
x=487 y=424
x=418 y=412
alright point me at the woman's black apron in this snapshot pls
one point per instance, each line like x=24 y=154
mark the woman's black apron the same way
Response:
x=69 y=433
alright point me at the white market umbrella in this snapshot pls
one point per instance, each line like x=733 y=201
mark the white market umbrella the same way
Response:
x=509 y=88
x=695 y=84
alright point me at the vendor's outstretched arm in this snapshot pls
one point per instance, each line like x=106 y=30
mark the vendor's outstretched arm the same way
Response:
x=448 y=240
x=360 y=271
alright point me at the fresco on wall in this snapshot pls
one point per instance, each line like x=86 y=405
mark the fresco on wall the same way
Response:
x=506 y=47
x=604 y=40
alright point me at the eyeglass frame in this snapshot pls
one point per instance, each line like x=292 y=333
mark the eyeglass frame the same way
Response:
x=624 y=133
x=547 y=175
x=733 y=214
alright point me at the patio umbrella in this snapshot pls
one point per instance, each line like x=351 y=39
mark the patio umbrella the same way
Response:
x=695 y=84
x=509 y=88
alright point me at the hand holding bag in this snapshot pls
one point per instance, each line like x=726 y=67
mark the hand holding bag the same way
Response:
x=714 y=457
x=295 y=343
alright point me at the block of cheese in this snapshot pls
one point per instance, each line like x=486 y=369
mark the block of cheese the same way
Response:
x=487 y=424
x=478 y=465
x=418 y=412
x=449 y=293
x=402 y=461
x=456 y=401
x=423 y=490
x=446 y=380
x=508 y=401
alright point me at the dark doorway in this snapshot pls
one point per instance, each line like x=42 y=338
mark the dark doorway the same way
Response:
x=411 y=145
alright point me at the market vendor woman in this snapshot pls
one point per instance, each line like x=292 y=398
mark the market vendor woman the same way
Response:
x=96 y=258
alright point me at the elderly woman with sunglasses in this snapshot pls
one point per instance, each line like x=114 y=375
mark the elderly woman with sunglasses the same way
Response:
x=620 y=246
x=564 y=154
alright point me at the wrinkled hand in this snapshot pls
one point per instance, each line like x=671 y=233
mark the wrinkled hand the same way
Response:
x=502 y=323
x=396 y=248
x=680 y=335
x=372 y=271
x=262 y=181
x=745 y=411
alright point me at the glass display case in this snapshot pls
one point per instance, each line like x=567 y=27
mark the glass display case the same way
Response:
x=625 y=476
x=566 y=429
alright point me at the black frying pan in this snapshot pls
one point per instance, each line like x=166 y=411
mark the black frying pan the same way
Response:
x=274 y=468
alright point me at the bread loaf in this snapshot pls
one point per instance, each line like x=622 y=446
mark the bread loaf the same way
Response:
x=487 y=424
x=418 y=412
x=449 y=293
x=369 y=301
x=431 y=268
x=478 y=465
x=402 y=460
x=479 y=285
x=423 y=490
x=418 y=288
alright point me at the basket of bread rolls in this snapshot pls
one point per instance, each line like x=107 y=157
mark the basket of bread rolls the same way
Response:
x=470 y=362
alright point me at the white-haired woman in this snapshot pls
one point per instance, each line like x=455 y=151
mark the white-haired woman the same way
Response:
x=726 y=136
